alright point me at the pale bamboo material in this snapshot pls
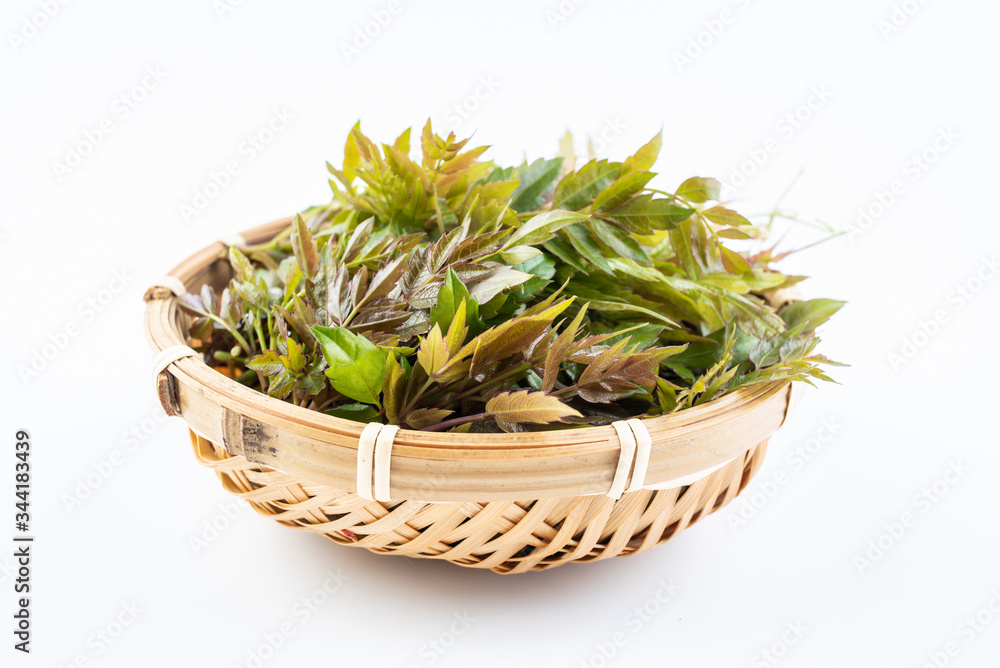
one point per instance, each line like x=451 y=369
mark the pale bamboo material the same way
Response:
x=508 y=502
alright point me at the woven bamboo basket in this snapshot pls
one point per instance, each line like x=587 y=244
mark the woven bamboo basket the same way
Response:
x=507 y=502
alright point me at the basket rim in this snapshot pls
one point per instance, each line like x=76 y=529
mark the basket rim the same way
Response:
x=196 y=367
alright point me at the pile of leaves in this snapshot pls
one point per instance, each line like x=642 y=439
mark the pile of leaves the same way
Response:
x=440 y=291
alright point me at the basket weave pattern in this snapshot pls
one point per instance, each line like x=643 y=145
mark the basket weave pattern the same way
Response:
x=503 y=536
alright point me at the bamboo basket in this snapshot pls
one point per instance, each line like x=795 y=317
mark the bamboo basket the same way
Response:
x=507 y=502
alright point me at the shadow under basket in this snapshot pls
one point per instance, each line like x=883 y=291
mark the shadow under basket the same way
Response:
x=511 y=503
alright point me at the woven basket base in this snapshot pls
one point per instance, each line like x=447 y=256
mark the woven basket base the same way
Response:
x=503 y=536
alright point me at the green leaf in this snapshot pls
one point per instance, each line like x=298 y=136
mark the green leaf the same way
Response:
x=295 y=360
x=356 y=365
x=479 y=246
x=621 y=190
x=620 y=242
x=618 y=372
x=510 y=337
x=491 y=309
x=564 y=251
x=393 y=387
x=732 y=233
x=535 y=180
x=519 y=254
x=666 y=395
x=578 y=190
x=645 y=157
x=751 y=281
x=643 y=214
x=459 y=329
x=541 y=228
x=384 y=280
x=304 y=247
x=292 y=276
x=680 y=240
x=586 y=245
x=766 y=352
x=209 y=299
x=452 y=293
x=497 y=280
x=402 y=143
x=720 y=215
x=267 y=364
x=425 y=417
x=433 y=352
x=531 y=407
x=643 y=337
x=239 y=261
x=559 y=350
x=540 y=265
x=733 y=261
x=312 y=383
x=318 y=287
x=618 y=306
x=281 y=385
x=355 y=413
x=700 y=189
x=358 y=239
x=810 y=313
x=629 y=267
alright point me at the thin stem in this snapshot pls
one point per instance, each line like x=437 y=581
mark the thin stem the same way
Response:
x=664 y=193
x=455 y=422
x=513 y=371
x=236 y=335
x=273 y=243
x=416 y=397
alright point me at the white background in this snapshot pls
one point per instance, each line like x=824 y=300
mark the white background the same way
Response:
x=900 y=423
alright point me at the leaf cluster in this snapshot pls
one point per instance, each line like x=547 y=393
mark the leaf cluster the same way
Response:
x=440 y=291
